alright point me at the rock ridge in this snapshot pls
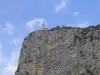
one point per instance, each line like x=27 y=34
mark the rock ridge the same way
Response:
x=61 y=51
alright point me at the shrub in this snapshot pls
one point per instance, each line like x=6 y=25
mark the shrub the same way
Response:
x=55 y=28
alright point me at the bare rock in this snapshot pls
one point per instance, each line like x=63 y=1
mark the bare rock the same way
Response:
x=62 y=51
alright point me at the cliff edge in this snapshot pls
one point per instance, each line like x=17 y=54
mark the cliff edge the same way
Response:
x=61 y=51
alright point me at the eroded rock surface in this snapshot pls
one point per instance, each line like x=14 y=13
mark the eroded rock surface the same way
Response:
x=66 y=51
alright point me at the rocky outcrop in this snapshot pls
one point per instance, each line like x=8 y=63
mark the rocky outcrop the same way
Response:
x=61 y=51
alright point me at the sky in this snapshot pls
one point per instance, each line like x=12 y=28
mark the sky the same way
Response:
x=20 y=17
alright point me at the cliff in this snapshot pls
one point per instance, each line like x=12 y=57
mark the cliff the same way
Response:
x=61 y=51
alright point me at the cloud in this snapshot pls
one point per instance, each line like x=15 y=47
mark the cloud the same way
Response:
x=61 y=6
x=11 y=61
x=11 y=66
x=15 y=54
x=16 y=41
x=75 y=14
x=83 y=25
x=9 y=28
x=33 y=23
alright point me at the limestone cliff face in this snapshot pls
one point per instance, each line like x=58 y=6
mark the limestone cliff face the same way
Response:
x=63 y=51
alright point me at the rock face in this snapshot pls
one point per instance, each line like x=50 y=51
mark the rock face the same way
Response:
x=62 y=51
